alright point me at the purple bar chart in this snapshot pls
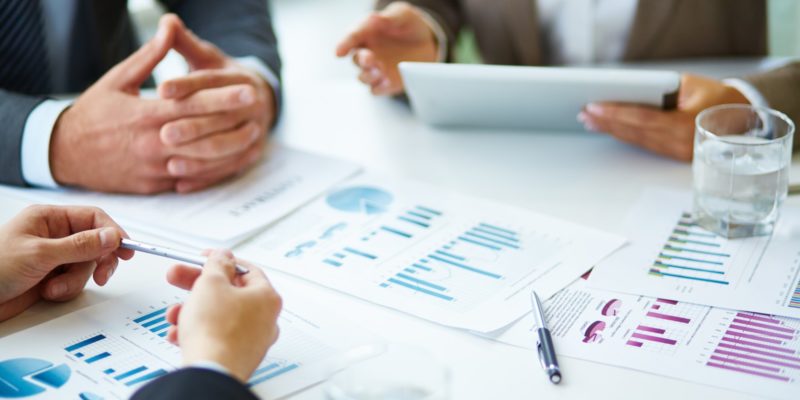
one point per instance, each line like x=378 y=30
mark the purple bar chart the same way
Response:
x=758 y=345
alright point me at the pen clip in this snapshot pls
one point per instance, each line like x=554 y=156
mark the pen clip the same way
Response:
x=540 y=352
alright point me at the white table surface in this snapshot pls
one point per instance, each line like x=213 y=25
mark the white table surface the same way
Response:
x=583 y=177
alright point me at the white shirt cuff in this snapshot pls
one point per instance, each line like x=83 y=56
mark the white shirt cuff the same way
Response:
x=748 y=91
x=35 y=154
x=438 y=32
x=211 y=366
x=254 y=63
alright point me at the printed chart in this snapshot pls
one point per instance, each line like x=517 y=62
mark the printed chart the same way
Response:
x=742 y=351
x=109 y=350
x=672 y=257
x=447 y=258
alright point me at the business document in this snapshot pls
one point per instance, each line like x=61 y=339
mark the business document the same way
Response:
x=221 y=216
x=109 y=350
x=669 y=256
x=448 y=258
x=748 y=352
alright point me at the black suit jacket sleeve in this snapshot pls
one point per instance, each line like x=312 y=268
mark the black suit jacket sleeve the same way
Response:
x=14 y=111
x=239 y=27
x=195 y=384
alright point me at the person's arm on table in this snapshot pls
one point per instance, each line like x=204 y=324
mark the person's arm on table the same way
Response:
x=224 y=330
x=109 y=139
x=51 y=252
x=401 y=31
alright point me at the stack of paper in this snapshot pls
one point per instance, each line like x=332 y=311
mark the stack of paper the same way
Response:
x=223 y=215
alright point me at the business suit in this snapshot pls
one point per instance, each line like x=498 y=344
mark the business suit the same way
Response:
x=196 y=384
x=102 y=35
x=507 y=32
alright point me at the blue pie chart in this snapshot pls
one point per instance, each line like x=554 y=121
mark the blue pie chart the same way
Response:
x=360 y=199
x=23 y=377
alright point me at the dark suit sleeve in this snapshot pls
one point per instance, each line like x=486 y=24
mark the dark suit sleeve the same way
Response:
x=448 y=13
x=240 y=28
x=195 y=384
x=14 y=111
x=780 y=87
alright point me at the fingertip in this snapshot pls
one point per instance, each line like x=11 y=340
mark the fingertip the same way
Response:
x=110 y=238
x=55 y=289
x=343 y=49
x=172 y=335
x=596 y=109
x=125 y=254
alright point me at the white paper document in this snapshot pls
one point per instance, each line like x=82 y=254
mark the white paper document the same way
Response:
x=448 y=258
x=671 y=257
x=224 y=215
x=753 y=353
x=109 y=350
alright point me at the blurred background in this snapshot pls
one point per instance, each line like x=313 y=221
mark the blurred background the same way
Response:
x=308 y=31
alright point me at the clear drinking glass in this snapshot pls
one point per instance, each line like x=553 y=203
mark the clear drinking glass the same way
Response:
x=399 y=373
x=741 y=165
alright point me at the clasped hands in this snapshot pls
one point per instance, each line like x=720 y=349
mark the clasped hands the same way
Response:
x=204 y=127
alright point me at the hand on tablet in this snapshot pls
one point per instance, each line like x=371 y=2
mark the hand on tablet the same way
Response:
x=669 y=133
x=397 y=33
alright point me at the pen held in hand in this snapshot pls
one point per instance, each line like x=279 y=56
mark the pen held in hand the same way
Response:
x=172 y=254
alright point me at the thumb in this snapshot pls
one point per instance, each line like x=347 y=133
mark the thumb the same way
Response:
x=134 y=70
x=82 y=246
x=199 y=54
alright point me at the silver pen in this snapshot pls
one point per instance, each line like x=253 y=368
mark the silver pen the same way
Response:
x=545 y=347
x=170 y=253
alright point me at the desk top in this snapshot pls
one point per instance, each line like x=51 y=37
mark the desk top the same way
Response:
x=583 y=177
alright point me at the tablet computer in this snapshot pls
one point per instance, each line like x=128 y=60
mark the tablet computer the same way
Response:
x=539 y=98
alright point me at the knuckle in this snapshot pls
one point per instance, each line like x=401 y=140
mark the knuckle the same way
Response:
x=35 y=210
x=39 y=250
x=82 y=243
x=145 y=147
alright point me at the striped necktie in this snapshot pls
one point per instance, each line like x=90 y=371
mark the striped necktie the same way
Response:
x=24 y=66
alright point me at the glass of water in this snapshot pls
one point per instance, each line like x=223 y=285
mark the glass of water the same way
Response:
x=400 y=373
x=741 y=165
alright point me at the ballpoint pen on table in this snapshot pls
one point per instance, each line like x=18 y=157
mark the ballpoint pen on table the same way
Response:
x=545 y=347
x=170 y=253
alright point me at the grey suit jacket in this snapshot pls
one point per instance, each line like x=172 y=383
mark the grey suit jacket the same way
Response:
x=103 y=35
x=508 y=32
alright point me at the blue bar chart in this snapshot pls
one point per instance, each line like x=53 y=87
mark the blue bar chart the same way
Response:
x=467 y=253
x=411 y=247
x=395 y=232
x=270 y=370
x=155 y=322
x=693 y=254
x=111 y=356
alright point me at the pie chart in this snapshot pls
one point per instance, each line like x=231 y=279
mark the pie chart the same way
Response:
x=611 y=308
x=23 y=377
x=360 y=199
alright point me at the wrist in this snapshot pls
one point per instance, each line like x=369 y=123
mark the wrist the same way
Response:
x=213 y=353
x=59 y=150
